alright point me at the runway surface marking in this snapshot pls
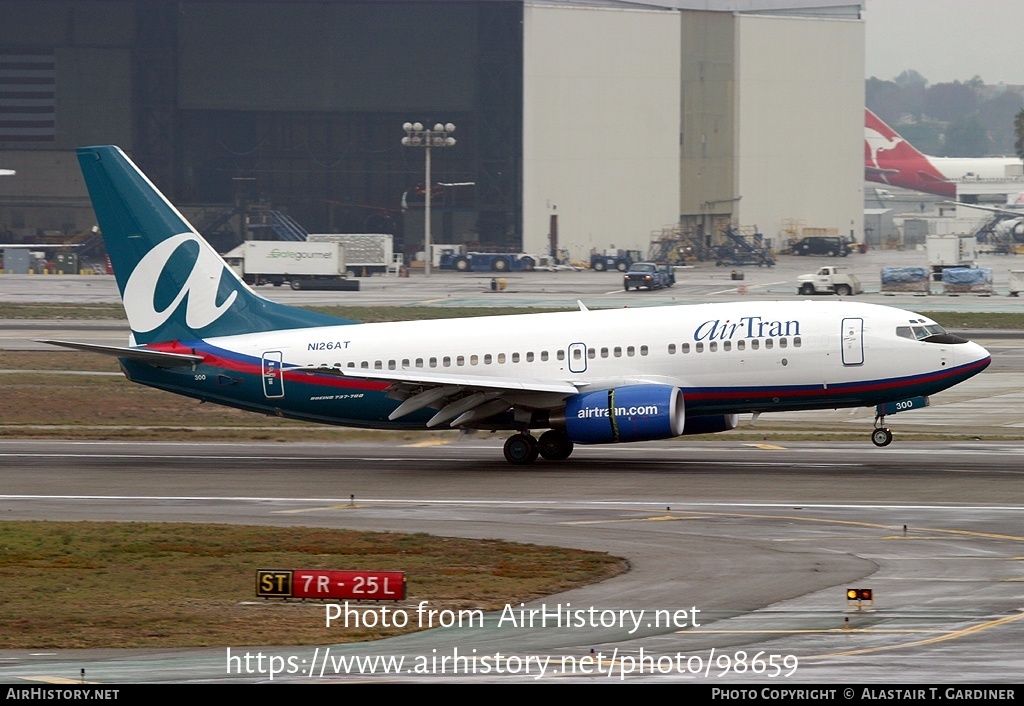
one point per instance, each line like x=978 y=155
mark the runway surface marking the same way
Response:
x=58 y=680
x=931 y=641
x=816 y=631
x=582 y=504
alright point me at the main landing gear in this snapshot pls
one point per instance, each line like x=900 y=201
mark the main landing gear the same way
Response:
x=881 y=436
x=523 y=449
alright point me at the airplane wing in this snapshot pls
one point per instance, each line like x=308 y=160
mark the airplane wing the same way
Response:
x=144 y=355
x=460 y=399
x=470 y=381
x=991 y=209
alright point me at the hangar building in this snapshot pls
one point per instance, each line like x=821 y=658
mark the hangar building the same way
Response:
x=579 y=123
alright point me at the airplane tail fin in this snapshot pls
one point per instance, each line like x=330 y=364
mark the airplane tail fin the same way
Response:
x=890 y=159
x=173 y=284
x=885 y=137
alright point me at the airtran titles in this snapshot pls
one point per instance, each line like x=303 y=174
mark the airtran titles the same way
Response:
x=745 y=327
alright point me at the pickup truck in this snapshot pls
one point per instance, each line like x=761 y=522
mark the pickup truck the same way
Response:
x=648 y=274
x=829 y=280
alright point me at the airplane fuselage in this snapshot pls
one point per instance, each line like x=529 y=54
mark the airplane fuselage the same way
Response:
x=724 y=358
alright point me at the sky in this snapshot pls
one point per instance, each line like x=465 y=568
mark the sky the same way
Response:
x=946 y=40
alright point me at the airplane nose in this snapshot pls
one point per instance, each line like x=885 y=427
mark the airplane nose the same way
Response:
x=971 y=352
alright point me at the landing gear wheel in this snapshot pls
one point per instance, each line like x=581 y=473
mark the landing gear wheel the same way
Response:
x=554 y=446
x=881 y=437
x=521 y=450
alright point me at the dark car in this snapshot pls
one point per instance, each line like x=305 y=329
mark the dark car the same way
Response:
x=647 y=274
x=830 y=245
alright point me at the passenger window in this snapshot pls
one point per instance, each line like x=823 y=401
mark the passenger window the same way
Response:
x=377 y=365
x=392 y=365
x=405 y=362
x=351 y=364
x=515 y=357
x=796 y=341
x=529 y=356
x=487 y=358
x=433 y=362
x=365 y=365
x=591 y=353
x=768 y=343
x=460 y=360
x=419 y=362
x=473 y=359
x=699 y=348
x=671 y=349
x=643 y=350
x=783 y=343
x=685 y=348
x=713 y=346
x=543 y=355
x=726 y=345
x=446 y=361
x=560 y=354
x=755 y=344
x=501 y=358
x=741 y=344
x=630 y=351
x=604 y=352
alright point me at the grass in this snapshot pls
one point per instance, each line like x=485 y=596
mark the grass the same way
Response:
x=107 y=584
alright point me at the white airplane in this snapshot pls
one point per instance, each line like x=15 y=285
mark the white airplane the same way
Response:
x=890 y=159
x=585 y=377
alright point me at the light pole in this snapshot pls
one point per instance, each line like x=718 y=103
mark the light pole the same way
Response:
x=418 y=136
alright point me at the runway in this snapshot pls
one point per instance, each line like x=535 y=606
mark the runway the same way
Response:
x=756 y=542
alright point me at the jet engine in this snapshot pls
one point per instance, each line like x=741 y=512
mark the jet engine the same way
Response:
x=630 y=413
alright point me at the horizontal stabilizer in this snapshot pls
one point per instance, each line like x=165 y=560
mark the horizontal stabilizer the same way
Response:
x=143 y=355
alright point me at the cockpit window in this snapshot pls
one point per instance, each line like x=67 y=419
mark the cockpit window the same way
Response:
x=929 y=333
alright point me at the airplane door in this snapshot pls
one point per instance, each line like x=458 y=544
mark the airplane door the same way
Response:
x=853 y=341
x=273 y=375
x=577 y=358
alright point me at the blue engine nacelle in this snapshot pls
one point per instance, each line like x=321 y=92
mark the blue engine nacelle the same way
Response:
x=631 y=413
x=711 y=424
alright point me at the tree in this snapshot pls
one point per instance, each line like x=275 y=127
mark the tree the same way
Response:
x=950 y=101
x=1018 y=130
x=966 y=137
x=913 y=87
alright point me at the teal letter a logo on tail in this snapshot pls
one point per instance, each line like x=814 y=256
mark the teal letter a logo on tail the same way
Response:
x=173 y=284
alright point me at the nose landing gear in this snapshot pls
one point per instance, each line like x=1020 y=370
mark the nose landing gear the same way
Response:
x=881 y=436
